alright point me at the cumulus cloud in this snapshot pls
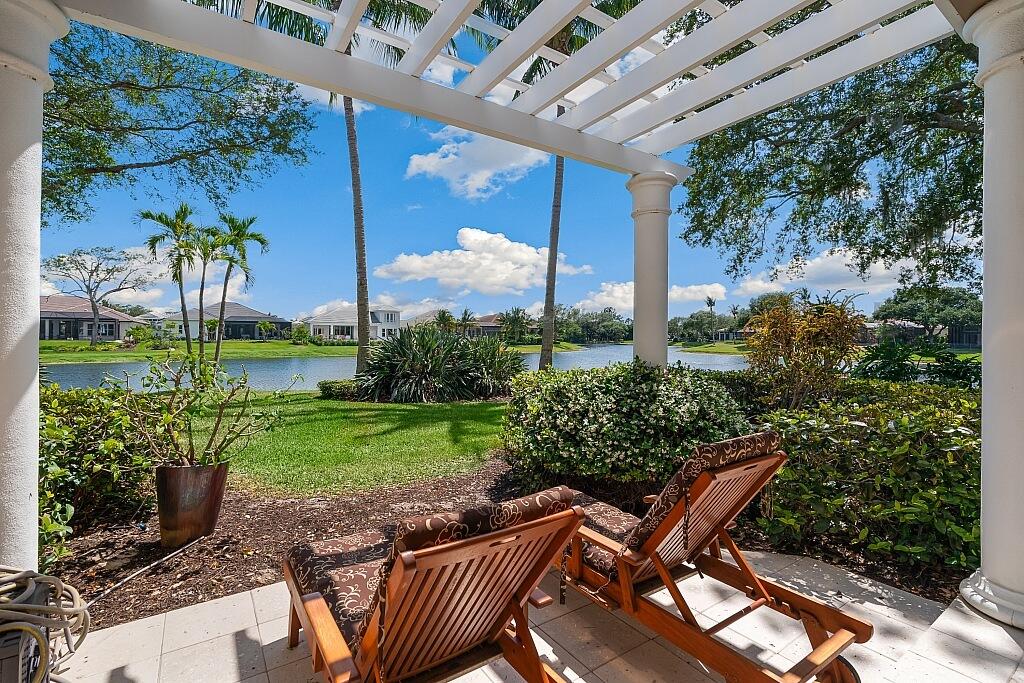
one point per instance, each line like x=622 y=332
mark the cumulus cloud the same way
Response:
x=536 y=309
x=322 y=98
x=236 y=291
x=619 y=295
x=680 y=293
x=474 y=166
x=830 y=270
x=488 y=263
x=144 y=297
x=408 y=307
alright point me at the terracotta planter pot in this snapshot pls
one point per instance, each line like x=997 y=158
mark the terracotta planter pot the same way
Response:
x=189 y=500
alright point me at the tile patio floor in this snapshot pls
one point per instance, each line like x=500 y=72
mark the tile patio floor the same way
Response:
x=241 y=638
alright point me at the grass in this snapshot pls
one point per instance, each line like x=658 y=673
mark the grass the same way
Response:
x=52 y=351
x=322 y=446
x=57 y=351
x=736 y=348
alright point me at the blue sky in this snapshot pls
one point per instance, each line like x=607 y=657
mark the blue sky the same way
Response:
x=452 y=219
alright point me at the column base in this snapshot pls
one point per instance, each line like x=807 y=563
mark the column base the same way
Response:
x=992 y=600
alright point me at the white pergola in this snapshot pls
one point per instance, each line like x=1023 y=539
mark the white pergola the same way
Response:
x=623 y=124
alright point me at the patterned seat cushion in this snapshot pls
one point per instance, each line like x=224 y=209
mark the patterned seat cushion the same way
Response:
x=347 y=572
x=351 y=572
x=606 y=520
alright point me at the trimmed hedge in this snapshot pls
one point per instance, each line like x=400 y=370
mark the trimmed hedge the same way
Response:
x=339 y=389
x=619 y=430
x=890 y=470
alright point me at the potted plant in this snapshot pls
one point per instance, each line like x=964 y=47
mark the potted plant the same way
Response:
x=193 y=416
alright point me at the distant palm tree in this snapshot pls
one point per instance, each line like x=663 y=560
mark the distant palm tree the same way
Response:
x=266 y=328
x=567 y=41
x=208 y=244
x=237 y=235
x=734 y=311
x=445 y=321
x=515 y=323
x=394 y=16
x=466 y=321
x=178 y=233
x=710 y=303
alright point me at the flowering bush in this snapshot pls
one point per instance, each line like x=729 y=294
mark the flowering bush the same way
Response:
x=629 y=425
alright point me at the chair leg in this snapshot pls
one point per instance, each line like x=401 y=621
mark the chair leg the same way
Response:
x=293 y=627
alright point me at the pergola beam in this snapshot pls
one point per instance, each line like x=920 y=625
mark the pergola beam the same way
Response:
x=826 y=28
x=190 y=28
x=538 y=27
x=350 y=13
x=905 y=35
x=703 y=45
x=623 y=35
x=444 y=24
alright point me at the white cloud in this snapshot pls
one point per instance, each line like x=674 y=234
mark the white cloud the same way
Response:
x=322 y=98
x=618 y=295
x=680 y=293
x=408 y=307
x=489 y=263
x=236 y=291
x=828 y=271
x=46 y=288
x=475 y=166
x=145 y=297
x=413 y=207
x=536 y=309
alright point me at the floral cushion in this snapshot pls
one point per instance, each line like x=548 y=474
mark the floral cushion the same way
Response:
x=606 y=520
x=351 y=572
x=704 y=457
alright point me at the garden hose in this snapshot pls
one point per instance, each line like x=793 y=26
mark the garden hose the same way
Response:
x=59 y=626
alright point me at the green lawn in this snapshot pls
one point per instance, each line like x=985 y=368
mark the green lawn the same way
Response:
x=736 y=348
x=321 y=446
x=559 y=346
x=54 y=351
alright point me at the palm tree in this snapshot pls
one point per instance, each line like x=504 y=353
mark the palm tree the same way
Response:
x=515 y=323
x=178 y=233
x=237 y=235
x=466 y=321
x=265 y=328
x=394 y=16
x=567 y=41
x=710 y=303
x=445 y=321
x=208 y=245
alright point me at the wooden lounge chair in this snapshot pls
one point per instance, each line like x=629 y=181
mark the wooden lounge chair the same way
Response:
x=617 y=560
x=432 y=598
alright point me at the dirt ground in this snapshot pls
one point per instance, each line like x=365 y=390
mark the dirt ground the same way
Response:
x=255 y=531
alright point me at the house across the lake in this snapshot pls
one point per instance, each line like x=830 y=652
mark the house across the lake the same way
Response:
x=62 y=316
x=340 y=323
x=240 y=322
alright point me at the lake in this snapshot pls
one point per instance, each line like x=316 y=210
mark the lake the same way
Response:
x=277 y=373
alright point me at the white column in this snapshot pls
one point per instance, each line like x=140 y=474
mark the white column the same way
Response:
x=27 y=27
x=997 y=589
x=651 y=210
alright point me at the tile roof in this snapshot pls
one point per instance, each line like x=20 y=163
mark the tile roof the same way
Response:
x=233 y=312
x=71 y=307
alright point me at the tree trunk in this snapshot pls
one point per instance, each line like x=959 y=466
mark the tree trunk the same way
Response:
x=202 y=317
x=358 y=226
x=184 y=314
x=547 y=342
x=220 y=317
x=94 y=337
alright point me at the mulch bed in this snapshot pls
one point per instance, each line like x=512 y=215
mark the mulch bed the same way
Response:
x=255 y=530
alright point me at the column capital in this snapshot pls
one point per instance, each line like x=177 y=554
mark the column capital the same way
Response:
x=997 y=28
x=654 y=178
x=651 y=193
x=27 y=27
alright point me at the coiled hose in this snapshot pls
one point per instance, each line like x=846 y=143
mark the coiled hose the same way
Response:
x=64 y=615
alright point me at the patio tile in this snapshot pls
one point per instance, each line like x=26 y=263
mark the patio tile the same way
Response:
x=199 y=623
x=573 y=601
x=144 y=671
x=271 y=602
x=963 y=622
x=297 y=672
x=869 y=664
x=901 y=605
x=274 y=640
x=764 y=627
x=769 y=564
x=118 y=646
x=1018 y=675
x=689 y=659
x=553 y=655
x=258 y=678
x=650 y=663
x=892 y=638
x=700 y=594
x=916 y=669
x=825 y=582
x=593 y=635
x=973 y=661
x=226 y=659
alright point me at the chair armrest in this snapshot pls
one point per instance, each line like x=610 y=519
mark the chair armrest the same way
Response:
x=337 y=658
x=602 y=541
x=651 y=499
x=540 y=599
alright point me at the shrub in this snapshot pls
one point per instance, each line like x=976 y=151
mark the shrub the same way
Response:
x=893 y=471
x=802 y=348
x=320 y=341
x=628 y=425
x=888 y=360
x=339 y=389
x=894 y=361
x=93 y=465
x=425 y=364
